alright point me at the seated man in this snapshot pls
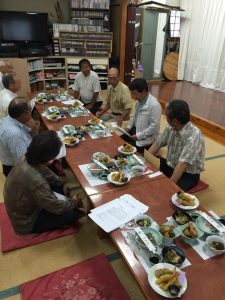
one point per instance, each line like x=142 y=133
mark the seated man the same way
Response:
x=30 y=203
x=146 y=123
x=186 y=149
x=5 y=67
x=118 y=100
x=12 y=85
x=87 y=87
x=16 y=132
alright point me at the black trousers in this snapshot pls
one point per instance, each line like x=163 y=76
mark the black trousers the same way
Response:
x=6 y=169
x=47 y=221
x=126 y=138
x=96 y=107
x=187 y=180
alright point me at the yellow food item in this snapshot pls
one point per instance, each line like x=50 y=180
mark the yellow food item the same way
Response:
x=70 y=140
x=190 y=231
x=95 y=121
x=127 y=148
x=117 y=176
x=166 y=278
x=167 y=231
x=185 y=199
x=104 y=159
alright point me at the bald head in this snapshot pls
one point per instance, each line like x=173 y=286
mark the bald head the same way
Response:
x=5 y=66
x=113 y=76
x=18 y=107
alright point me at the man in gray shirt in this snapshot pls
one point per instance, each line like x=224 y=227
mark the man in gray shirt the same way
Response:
x=87 y=87
x=145 y=126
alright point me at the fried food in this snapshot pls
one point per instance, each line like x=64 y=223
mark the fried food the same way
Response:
x=104 y=159
x=70 y=140
x=127 y=148
x=117 y=176
x=167 y=231
x=122 y=162
x=172 y=257
x=190 y=231
x=95 y=121
x=166 y=278
x=185 y=199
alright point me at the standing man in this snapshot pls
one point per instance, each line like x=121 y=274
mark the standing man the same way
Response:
x=5 y=67
x=16 y=132
x=118 y=100
x=12 y=85
x=87 y=86
x=186 y=148
x=145 y=126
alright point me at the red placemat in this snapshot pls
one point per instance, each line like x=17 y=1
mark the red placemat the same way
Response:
x=11 y=241
x=91 y=279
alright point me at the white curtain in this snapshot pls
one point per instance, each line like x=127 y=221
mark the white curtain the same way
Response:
x=202 y=43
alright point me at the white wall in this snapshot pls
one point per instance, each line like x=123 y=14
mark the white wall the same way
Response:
x=45 y=6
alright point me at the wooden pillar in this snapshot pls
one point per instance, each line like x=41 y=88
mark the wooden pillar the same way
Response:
x=124 y=5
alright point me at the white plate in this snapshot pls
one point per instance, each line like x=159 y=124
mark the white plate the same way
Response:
x=72 y=145
x=90 y=122
x=152 y=279
x=176 y=203
x=109 y=177
x=53 y=120
x=126 y=153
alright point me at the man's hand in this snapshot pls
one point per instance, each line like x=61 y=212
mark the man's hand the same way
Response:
x=77 y=200
x=89 y=106
x=98 y=113
x=133 y=137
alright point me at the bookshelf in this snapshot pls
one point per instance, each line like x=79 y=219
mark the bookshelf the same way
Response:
x=90 y=16
x=54 y=72
x=85 y=44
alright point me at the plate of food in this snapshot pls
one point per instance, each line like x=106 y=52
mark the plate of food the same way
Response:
x=54 y=117
x=143 y=221
x=205 y=226
x=167 y=280
x=118 y=178
x=95 y=121
x=216 y=244
x=152 y=234
x=185 y=201
x=80 y=129
x=190 y=232
x=181 y=217
x=68 y=130
x=169 y=232
x=71 y=141
x=104 y=159
x=173 y=255
x=127 y=149
x=42 y=98
x=95 y=169
x=122 y=162
x=52 y=110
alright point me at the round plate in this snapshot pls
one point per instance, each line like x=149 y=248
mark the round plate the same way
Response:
x=54 y=120
x=152 y=279
x=97 y=155
x=126 y=153
x=154 y=234
x=109 y=177
x=73 y=144
x=176 y=203
x=92 y=123
x=43 y=101
x=205 y=226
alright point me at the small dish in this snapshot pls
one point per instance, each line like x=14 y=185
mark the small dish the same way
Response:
x=190 y=232
x=71 y=141
x=54 y=118
x=205 y=226
x=94 y=169
x=181 y=217
x=122 y=150
x=173 y=255
x=143 y=221
x=214 y=242
x=169 y=232
x=124 y=180
x=153 y=235
x=138 y=170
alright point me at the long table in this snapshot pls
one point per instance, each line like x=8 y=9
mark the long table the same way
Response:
x=205 y=278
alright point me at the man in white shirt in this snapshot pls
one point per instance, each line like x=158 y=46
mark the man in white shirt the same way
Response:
x=5 y=67
x=87 y=87
x=12 y=85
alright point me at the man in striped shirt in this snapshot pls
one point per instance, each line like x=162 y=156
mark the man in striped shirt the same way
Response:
x=16 y=132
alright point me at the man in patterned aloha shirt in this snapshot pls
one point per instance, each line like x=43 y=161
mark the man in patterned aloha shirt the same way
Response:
x=186 y=148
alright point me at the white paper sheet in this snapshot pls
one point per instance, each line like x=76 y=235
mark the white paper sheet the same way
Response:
x=115 y=126
x=155 y=174
x=60 y=196
x=117 y=212
x=62 y=152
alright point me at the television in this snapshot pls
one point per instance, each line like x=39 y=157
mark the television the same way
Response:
x=23 y=27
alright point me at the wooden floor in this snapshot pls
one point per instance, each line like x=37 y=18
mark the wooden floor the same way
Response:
x=206 y=103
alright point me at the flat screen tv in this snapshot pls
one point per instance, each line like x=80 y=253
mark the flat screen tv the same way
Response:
x=23 y=27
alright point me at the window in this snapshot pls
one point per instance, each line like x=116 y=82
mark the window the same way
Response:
x=175 y=23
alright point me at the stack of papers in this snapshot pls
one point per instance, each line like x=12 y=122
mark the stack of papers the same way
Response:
x=118 y=212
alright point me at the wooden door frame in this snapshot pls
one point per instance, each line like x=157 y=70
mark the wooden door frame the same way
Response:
x=124 y=5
